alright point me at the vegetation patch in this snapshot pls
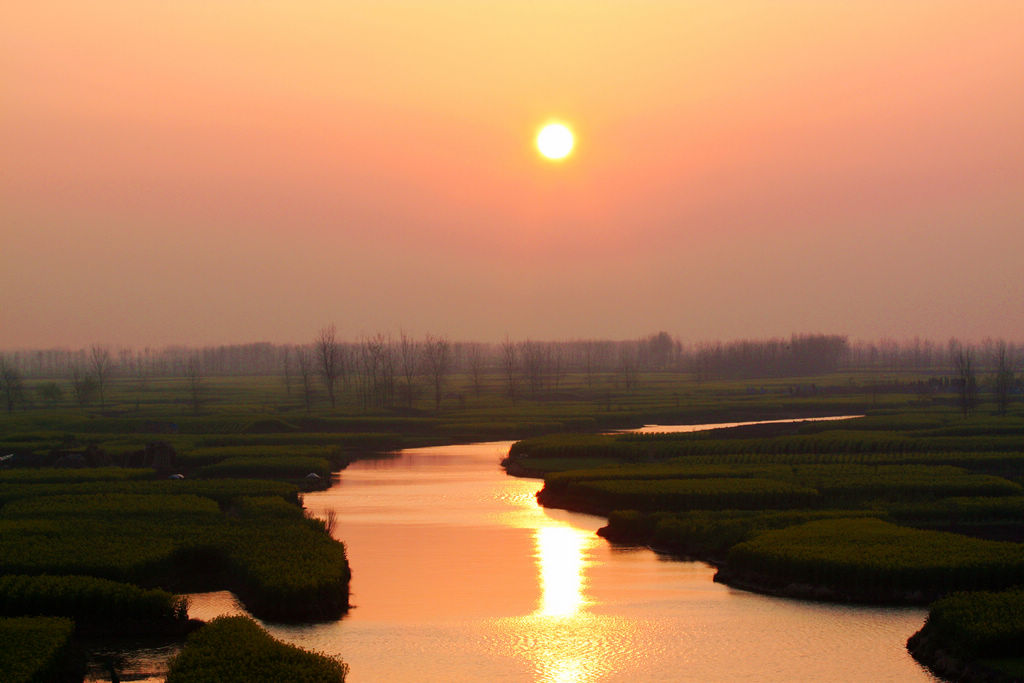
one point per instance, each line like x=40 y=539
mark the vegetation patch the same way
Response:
x=221 y=491
x=37 y=649
x=49 y=475
x=748 y=493
x=976 y=633
x=708 y=534
x=113 y=606
x=283 y=565
x=269 y=467
x=872 y=560
x=231 y=649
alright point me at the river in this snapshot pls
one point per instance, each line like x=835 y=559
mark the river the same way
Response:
x=458 y=575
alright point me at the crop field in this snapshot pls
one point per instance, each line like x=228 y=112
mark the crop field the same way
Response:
x=873 y=557
x=979 y=625
x=89 y=600
x=35 y=648
x=780 y=505
x=282 y=564
x=89 y=515
x=726 y=493
x=231 y=649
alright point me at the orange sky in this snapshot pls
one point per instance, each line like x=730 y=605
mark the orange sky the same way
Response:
x=227 y=171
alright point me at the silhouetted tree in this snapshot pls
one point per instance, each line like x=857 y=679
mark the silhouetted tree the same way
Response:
x=304 y=361
x=556 y=364
x=287 y=366
x=83 y=385
x=628 y=364
x=475 y=361
x=589 y=361
x=1004 y=376
x=102 y=366
x=12 y=387
x=967 y=382
x=329 y=356
x=508 y=364
x=376 y=371
x=437 y=358
x=408 y=366
x=657 y=351
x=194 y=375
x=533 y=364
x=50 y=392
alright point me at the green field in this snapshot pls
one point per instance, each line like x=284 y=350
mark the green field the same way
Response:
x=982 y=631
x=231 y=649
x=89 y=515
x=777 y=505
x=35 y=649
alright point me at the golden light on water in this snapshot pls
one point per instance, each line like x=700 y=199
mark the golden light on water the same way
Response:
x=562 y=641
x=560 y=560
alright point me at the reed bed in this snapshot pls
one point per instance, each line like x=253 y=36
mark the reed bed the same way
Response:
x=35 y=649
x=236 y=649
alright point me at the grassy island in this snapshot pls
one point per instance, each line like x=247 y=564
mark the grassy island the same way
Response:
x=37 y=649
x=236 y=649
x=974 y=637
x=899 y=506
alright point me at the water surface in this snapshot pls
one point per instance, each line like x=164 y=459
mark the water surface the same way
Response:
x=458 y=575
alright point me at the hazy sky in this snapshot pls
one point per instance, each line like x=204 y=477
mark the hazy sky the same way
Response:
x=217 y=171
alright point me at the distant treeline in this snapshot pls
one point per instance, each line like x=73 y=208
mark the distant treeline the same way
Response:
x=383 y=371
x=800 y=354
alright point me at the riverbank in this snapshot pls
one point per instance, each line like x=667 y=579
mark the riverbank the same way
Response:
x=840 y=512
x=974 y=637
x=944 y=664
x=533 y=593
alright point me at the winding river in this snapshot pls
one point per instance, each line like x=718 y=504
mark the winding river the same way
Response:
x=458 y=575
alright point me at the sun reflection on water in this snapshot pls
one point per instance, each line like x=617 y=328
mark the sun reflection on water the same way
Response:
x=560 y=562
x=561 y=640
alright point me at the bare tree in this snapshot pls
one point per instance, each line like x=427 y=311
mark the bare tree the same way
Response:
x=50 y=392
x=12 y=388
x=304 y=360
x=589 y=360
x=140 y=381
x=508 y=364
x=534 y=365
x=287 y=365
x=475 y=360
x=329 y=356
x=102 y=366
x=376 y=379
x=437 y=357
x=628 y=364
x=1004 y=375
x=967 y=382
x=83 y=385
x=556 y=364
x=194 y=375
x=408 y=366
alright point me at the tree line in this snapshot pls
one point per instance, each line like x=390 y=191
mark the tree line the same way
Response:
x=388 y=371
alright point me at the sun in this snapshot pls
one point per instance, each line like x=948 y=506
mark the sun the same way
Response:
x=555 y=141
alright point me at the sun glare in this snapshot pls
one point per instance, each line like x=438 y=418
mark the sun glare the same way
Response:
x=555 y=141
